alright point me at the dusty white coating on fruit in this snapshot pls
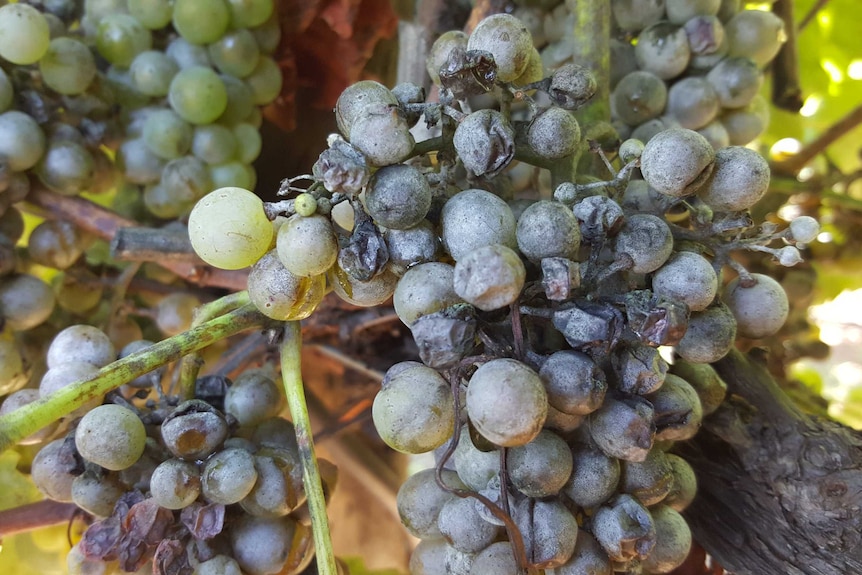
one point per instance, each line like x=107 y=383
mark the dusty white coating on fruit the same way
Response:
x=508 y=40
x=490 y=277
x=475 y=218
x=689 y=278
x=760 y=310
x=709 y=336
x=676 y=162
x=738 y=181
x=424 y=289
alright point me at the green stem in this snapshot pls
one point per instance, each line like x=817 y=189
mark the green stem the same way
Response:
x=192 y=362
x=291 y=349
x=26 y=420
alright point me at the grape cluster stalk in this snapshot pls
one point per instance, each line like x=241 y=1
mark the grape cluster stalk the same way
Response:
x=567 y=281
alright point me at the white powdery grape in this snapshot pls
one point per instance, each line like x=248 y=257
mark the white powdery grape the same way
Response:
x=689 y=278
x=24 y=34
x=229 y=229
x=760 y=310
x=81 y=343
x=490 y=277
x=508 y=40
x=804 y=229
x=307 y=246
x=738 y=181
x=111 y=436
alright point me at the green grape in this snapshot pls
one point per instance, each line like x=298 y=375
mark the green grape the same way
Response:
x=153 y=14
x=214 y=144
x=249 y=142
x=229 y=229
x=236 y=53
x=77 y=293
x=138 y=164
x=13 y=375
x=198 y=95
x=240 y=101
x=233 y=174
x=24 y=34
x=152 y=71
x=248 y=13
x=67 y=167
x=68 y=66
x=56 y=244
x=187 y=55
x=268 y=34
x=22 y=141
x=120 y=38
x=7 y=91
x=186 y=178
x=111 y=436
x=167 y=135
x=264 y=81
x=119 y=85
x=201 y=21
x=307 y=246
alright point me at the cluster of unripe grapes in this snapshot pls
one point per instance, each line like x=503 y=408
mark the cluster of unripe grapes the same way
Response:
x=210 y=486
x=538 y=321
x=158 y=100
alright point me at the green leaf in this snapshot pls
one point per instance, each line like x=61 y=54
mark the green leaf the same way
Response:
x=357 y=567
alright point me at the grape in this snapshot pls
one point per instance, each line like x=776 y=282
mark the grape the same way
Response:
x=120 y=38
x=413 y=412
x=497 y=558
x=692 y=102
x=716 y=134
x=677 y=162
x=83 y=343
x=415 y=245
x=7 y=91
x=281 y=295
x=420 y=499
x=228 y=476
x=22 y=141
x=353 y=101
x=278 y=433
x=198 y=94
x=25 y=302
x=214 y=144
x=252 y=398
x=398 y=196
x=68 y=66
x=507 y=402
x=804 y=229
x=24 y=34
x=689 y=278
x=760 y=310
x=624 y=528
x=645 y=239
x=705 y=36
x=167 y=135
x=424 y=289
x=148 y=379
x=111 y=436
x=218 y=565
x=51 y=471
x=549 y=529
x=755 y=34
x=649 y=480
x=65 y=374
x=542 y=467
x=548 y=229
x=154 y=14
x=248 y=13
x=463 y=527
x=382 y=136
x=588 y=558
x=624 y=428
x=232 y=174
x=594 y=477
x=97 y=492
x=474 y=467
x=174 y=312
x=745 y=124
x=680 y=11
x=663 y=50
x=307 y=246
x=534 y=72
x=56 y=244
x=440 y=50
x=638 y=97
x=262 y=545
x=138 y=164
x=673 y=541
x=264 y=81
x=740 y=178
x=229 y=229
x=684 y=487
x=188 y=55
x=186 y=179
x=151 y=73
x=635 y=15
x=194 y=430
x=67 y=167
x=476 y=218
x=710 y=335
x=364 y=294
x=736 y=80
x=268 y=34
x=236 y=53
x=201 y=21
x=13 y=375
x=508 y=41
x=160 y=202
x=278 y=489
x=248 y=142
x=573 y=381
x=490 y=277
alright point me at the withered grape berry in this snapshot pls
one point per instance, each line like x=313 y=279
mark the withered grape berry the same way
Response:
x=507 y=402
x=440 y=50
x=678 y=412
x=624 y=528
x=624 y=428
x=485 y=142
x=677 y=162
x=760 y=310
x=194 y=430
x=413 y=412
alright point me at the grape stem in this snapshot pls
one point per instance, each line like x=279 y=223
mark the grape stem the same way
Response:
x=291 y=350
x=30 y=418
x=35 y=516
x=191 y=364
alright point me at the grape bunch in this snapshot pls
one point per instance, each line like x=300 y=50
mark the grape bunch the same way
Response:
x=211 y=485
x=542 y=389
